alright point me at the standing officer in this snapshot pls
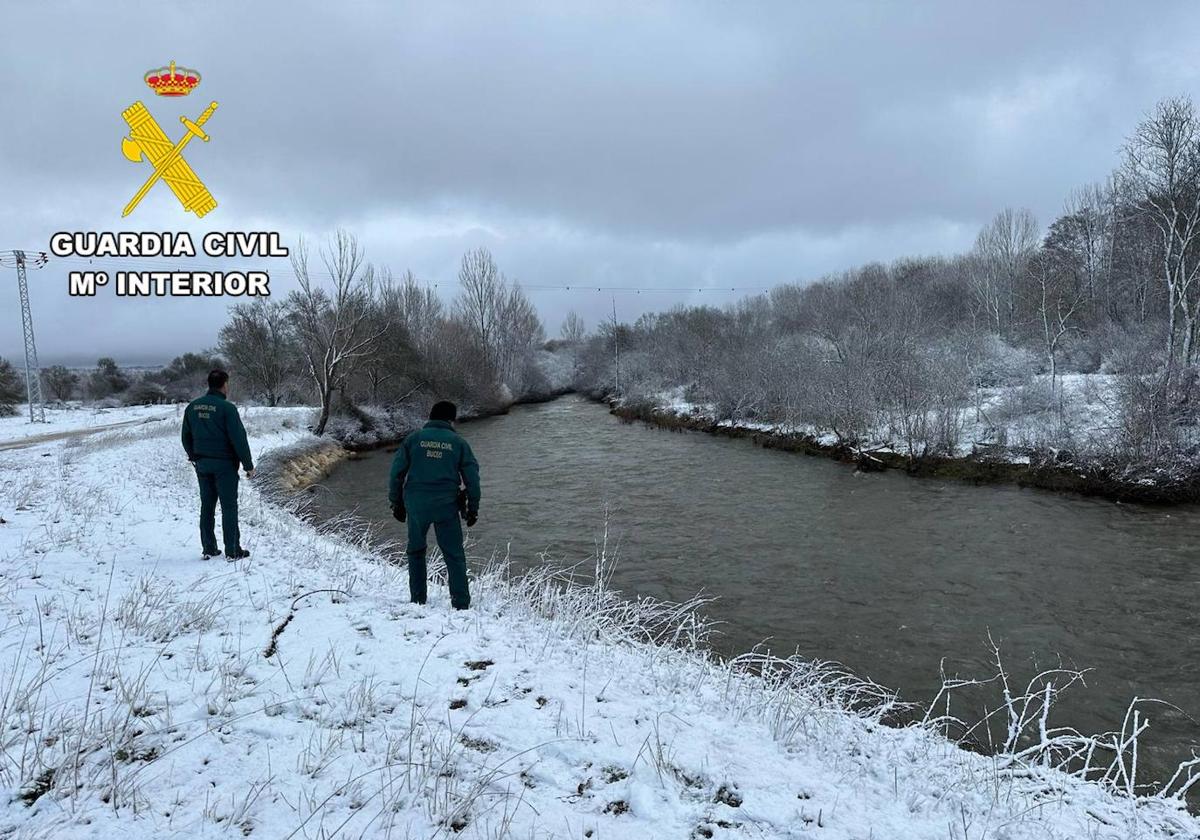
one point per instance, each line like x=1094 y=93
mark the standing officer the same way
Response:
x=215 y=441
x=424 y=490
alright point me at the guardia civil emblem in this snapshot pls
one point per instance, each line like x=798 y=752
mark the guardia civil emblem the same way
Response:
x=147 y=141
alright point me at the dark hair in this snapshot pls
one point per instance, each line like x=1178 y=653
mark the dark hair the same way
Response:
x=217 y=379
x=444 y=410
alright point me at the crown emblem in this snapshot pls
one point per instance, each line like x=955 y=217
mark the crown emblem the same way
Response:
x=172 y=81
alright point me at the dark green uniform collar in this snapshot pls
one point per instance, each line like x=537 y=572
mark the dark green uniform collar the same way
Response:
x=213 y=392
x=439 y=424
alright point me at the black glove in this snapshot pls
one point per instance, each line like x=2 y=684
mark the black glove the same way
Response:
x=472 y=518
x=399 y=512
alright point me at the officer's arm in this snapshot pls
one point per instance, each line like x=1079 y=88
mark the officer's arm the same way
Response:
x=186 y=437
x=398 y=474
x=469 y=470
x=237 y=436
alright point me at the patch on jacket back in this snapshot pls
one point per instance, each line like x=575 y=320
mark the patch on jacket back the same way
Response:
x=205 y=411
x=434 y=448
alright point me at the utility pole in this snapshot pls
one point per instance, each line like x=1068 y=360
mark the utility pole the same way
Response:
x=33 y=374
x=616 y=347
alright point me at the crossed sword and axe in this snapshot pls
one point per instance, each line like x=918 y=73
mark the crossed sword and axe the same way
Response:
x=134 y=151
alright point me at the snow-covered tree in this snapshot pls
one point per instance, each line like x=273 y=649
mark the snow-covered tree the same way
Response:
x=1162 y=176
x=334 y=329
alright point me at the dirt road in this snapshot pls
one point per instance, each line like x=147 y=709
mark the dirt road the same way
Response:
x=22 y=443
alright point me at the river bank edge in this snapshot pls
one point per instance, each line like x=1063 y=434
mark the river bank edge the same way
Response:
x=1053 y=471
x=300 y=466
x=311 y=461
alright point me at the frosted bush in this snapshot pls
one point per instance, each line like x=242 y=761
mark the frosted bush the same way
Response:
x=1001 y=364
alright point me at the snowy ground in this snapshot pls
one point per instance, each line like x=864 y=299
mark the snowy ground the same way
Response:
x=75 y=417
x=1030 y=417
x=137 y=698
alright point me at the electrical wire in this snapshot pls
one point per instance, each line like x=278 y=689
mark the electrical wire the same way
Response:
x=32 y=259
x=112 y=264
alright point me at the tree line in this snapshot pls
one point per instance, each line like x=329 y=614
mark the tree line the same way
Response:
x=350 y=334
x=357 y=334
x=109 y=383
x=904 y=350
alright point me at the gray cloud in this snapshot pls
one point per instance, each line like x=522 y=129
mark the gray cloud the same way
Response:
x=681 y=144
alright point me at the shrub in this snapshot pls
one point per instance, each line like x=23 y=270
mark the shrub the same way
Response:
x=996 y=363
x=359 y=427
x=12 y=389
x=145 y=392
x=1032 y=398
x=60 y=382
x=107 y=379
x=186 y=376
x=1133 y=351
x=1080 y=354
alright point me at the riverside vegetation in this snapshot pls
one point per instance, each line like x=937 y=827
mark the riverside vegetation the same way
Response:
x=1074 y=351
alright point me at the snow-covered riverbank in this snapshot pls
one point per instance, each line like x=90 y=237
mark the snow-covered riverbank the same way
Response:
x=1027 y=435
x=138 y=699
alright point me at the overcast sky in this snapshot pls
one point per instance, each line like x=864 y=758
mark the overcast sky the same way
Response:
x=656 y=145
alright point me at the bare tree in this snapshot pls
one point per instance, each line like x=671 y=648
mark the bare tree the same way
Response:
x=1004 y=248
x=1162 y=172
x=257 y=342
x=460 y=371
x=1059 y=296
x=501 y=319
x=392 y=359
x=1135 y=261
x=1089 y=212
x=573 y=329
x=421 y=313
x=518 y=331
x=482 y=298
x=335 y=329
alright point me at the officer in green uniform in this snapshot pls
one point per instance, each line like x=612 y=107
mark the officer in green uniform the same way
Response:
x=424 y=490
x=215 y=441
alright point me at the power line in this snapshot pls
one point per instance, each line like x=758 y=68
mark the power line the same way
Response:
x=33 y=259
x=138 y=264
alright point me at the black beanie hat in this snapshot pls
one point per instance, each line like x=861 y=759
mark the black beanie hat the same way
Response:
x=444 y=410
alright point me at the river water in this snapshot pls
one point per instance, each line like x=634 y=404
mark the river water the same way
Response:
x=886 y=574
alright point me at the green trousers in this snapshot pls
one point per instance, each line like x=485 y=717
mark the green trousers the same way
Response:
x=218 y=483
x=448 y=530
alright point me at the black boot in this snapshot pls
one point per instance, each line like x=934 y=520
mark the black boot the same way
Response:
x=237 y=554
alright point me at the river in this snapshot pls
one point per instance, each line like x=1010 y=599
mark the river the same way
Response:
x=884 y=573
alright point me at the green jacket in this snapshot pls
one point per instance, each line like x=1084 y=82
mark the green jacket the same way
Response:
x=213 y=429
x=429 y=464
